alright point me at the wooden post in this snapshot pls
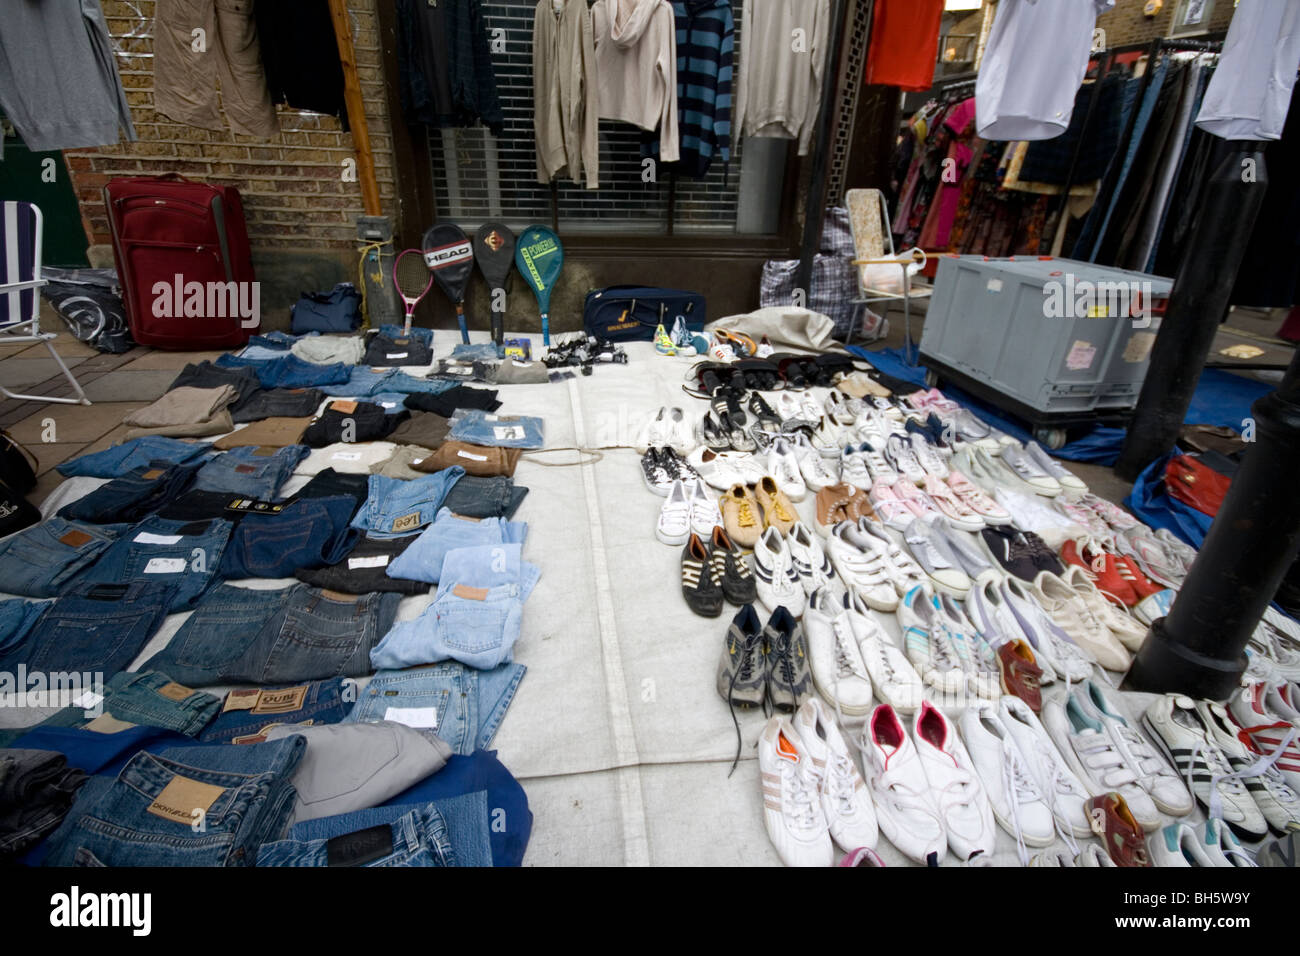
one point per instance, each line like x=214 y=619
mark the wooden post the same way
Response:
x=356 y=108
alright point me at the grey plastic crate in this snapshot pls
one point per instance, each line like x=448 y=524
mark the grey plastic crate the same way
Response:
x=997 y=322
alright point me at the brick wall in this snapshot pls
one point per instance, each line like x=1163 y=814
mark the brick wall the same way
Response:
x=292 y=187
x=1127 y=24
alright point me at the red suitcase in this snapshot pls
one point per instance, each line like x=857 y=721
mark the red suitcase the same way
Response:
x=182 y=256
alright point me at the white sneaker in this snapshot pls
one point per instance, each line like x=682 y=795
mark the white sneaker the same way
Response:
x=715 y=468
x=783 y=465
x=928 y=457
x=1175 y=725
x=1068 y=480
x=1029 y=471
x=1090 y=854
x=1069 y=610
x=1052 y=646
x=1124 y=628
x=655 y=433
x=705 y=515
x=902 y=459
x=674 y=525
x=904 y=572
x=837 y=408
x=788 y=407
x=955 y=787
x=792 y=808
x=928 y=645
x=932 y=554
x=970 y=557
x=817 y=474
x=853 y=469
x=893 y=678
x=807 y=557
x=777 y=583
x=863 y=565
x=876 y=464
x=1221 y=845
x=1177 y=845
x=681 y=434
x=1277 y=800
x=837 y=667
x=844 y=797
x=905 y=809
x=810 y=407
x=983 y=678
x=825 y=438
x=1018 y=805
x=1064 y=791
x=748 y=467
x=990 y=613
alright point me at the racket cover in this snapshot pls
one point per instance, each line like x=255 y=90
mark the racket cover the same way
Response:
x=540 y=258
x=450 y=257
x=494 y=251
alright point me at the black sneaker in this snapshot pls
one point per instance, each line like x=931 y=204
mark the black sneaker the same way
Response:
x=1010 y=549
x=731 y=570
x=1044 y=558
x=677 y=467
x=658 y=477
x=789 y=679
x=702 y=591
x=742 y=672
x=763 y=412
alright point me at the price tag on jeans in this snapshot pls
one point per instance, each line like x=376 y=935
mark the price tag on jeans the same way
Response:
x=470 y=455
x=376 y=561
x=509 y=433
x=88 y=700
x=346 y=456
x=421 y=718
x=165 y=566
x=144 y=537
x=396 y=355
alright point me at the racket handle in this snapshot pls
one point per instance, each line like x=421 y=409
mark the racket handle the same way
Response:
x=546 y=329
x=498 y=329
x=460 y=319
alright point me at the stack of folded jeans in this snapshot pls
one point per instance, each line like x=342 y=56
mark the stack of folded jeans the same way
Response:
x=328 y=349
x=141 y=698
x=185 y=412
x=423 y=560
x=255 y=471
x=256 y=636
x=387 y=351
x=367 y=568
x=476 y=496
x=206 y=375
x=37 y=788
x=185 y=555
x=42 y=560
x=246 y=713
x=350 y=421
x=278 y=403
x=138 y=452
x=395 y=507
x=134 y=496
x=475 y=618
x=288 y=371
x=478 y=427
x=197 y=806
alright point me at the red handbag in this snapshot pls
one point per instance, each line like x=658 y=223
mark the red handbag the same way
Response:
x=1196 y=484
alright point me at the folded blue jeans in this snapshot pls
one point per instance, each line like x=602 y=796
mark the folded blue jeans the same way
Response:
x=136 y=453
x=461 y=705
x=252 y=471
x=417 y=837
x=187 y=554
x=17 y=618
x=477 y=427
x=40 y=561
x=308 y=533
x=476 y=496
x=288 y=371
x=467 y=816
x=362 y=382
x=395 y=507
x=423 y=559
x=133 y=496
x=254 y=636
x=199 y=806
x=147 y=699
x=247 y=712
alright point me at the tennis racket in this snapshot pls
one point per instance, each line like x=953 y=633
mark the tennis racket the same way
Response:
x=413 y=281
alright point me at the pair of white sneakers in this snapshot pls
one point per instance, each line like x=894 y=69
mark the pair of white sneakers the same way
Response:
x=852 y=658
x=928 y=796
x=688 y=509
x=946 y=649
x=1006 y=611
x=871 y=564
x=723 y=470
x=1034 y=794
x=794 y=457
x=668 y=427
x=789 y=568
x=812 y=791
x=1210 y=845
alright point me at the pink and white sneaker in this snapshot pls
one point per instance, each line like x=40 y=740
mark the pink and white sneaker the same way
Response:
x=974 y=498
x=960 y=514
x=862 y=856
x=1265 y=731
x=1112 y=514
x=891 y=509
x=917 y=501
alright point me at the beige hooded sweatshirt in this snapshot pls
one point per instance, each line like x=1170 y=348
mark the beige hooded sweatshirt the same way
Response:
x=565 y=117
x=636 y=60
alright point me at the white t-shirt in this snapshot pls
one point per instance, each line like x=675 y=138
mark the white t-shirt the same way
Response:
x=1250 y=91
x=1034 y=63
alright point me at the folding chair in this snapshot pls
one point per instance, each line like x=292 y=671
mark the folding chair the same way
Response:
x=20 y=302
x=873 y=243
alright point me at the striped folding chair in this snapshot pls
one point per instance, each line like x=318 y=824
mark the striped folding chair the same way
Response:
x=20 y=278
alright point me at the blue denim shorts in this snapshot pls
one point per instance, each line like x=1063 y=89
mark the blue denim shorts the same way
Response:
x=198 y=806
x=422 y=560
x=252 y=471
x=461 y=705
x=298 y=633
x=396 y=507
x=187 y=554
x=247 y=712
x=136 y=453
x=418 y=837
x=40 y=561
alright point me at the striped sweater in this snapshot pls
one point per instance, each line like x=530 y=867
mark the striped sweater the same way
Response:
x=706 y=35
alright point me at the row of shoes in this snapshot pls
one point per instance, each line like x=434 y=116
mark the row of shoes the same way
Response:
x=721 y=346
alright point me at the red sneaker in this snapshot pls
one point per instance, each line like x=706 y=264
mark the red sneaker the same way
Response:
x=1141 y=585
x=1121 y=835
x=1021 y=674
x=1104 y=569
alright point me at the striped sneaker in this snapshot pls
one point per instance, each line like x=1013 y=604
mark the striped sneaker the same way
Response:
x=1266 y=732
x=702 y=591
x=731 y=570
x=1276 y=800
x=792 y=809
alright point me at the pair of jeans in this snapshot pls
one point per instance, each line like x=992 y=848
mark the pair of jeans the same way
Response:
x=385 y=352
x=423 y=560
x=366 y=569
x=466 y=815
x=391 y=402
x=480 y=496
x=461 y=370
x=459 y=396
x=476 y=617
x=329 y=483
x=415 y=838
x=251 y=471
x=351 y=421
x=278 y=403
x=275 y=340
x=37 y=788
x=460 y=705
x=477 y=351
x=206 y=375
x=308 y=533
x=135 y=496
x=186 y=554
x=41 y=560
x=422 y=428
x=288 y=372
x=478 y=427
x=149 y=814
x=298 y=633
x=17 y=618
x=412 y=384
x=147 y=699
x=362 y=382
x=93 y=628
x=395 y=507
x=423 y=336
x=137 y=453
x=246 y=713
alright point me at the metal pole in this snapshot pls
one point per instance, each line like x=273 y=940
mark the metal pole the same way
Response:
x=1197 y=303
x=1199 y=648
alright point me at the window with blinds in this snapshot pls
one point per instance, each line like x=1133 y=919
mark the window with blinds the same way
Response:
x=478 y=177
